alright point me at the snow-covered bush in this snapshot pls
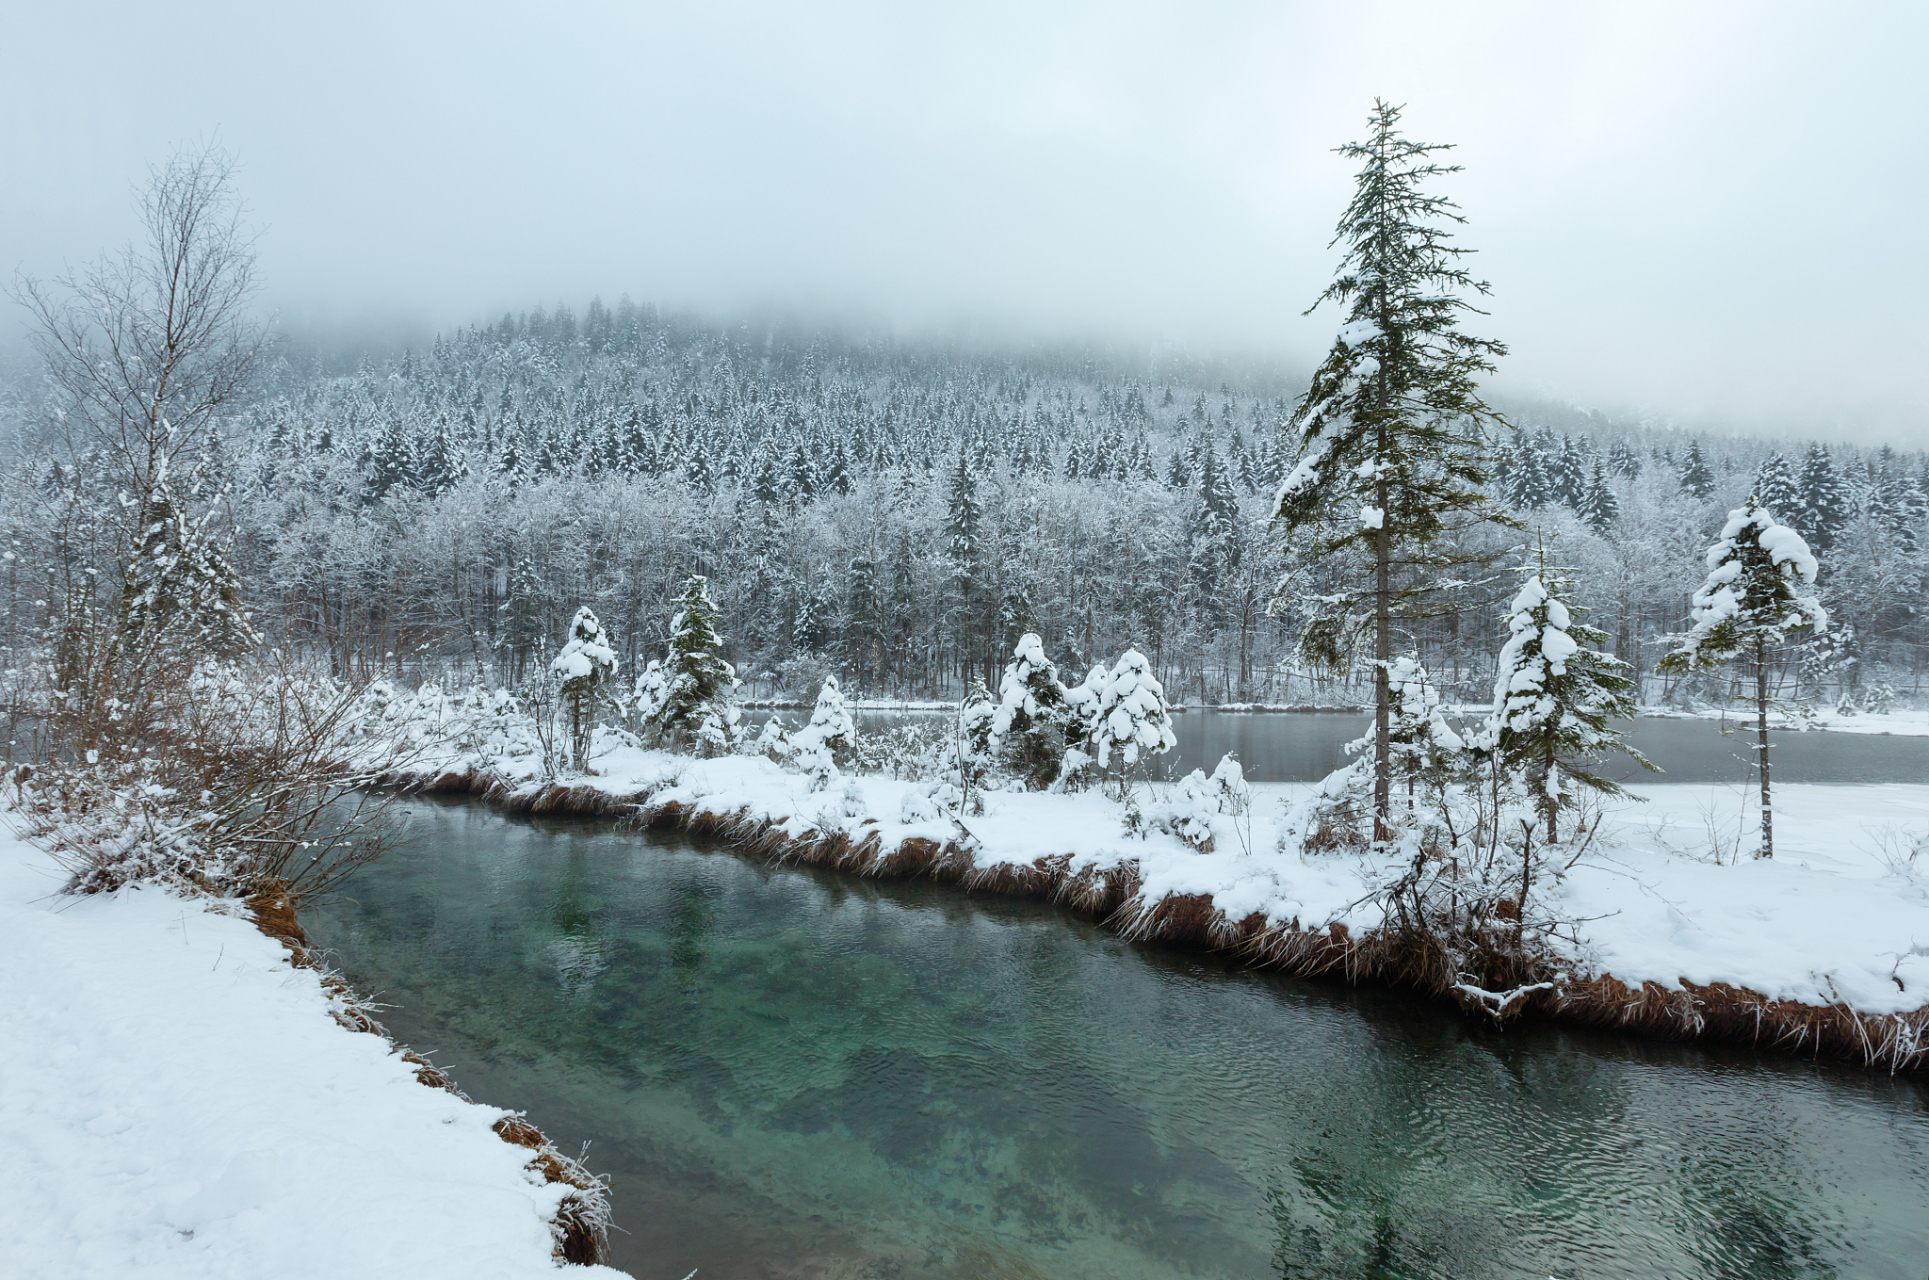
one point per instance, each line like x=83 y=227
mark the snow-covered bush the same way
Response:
x=583 y=669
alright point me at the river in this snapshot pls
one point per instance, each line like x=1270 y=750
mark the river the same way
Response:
x=793 y=1074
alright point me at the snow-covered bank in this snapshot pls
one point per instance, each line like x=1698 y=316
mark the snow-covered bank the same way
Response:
x=1825 y=948
x=176 y=1100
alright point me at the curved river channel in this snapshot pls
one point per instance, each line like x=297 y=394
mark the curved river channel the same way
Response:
x=794 y=1074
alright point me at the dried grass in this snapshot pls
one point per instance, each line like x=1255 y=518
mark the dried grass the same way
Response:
x=1896 y=1042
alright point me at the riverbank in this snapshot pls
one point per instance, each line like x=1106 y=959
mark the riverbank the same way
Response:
x=185 y=1096
x=1823 y=951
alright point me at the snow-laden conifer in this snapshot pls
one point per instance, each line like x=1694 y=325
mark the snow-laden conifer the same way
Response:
x=1753 y=604
x=583 y=669
x=1131 y=721
x=828 y=738
x=1775 y=487
x=696 y=703
x=1035 y=721
x=1392 y=431
x=1696 y=477
x=1556 y=699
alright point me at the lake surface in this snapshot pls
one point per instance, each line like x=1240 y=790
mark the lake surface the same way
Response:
x=1306 y=746
x=794 y=1074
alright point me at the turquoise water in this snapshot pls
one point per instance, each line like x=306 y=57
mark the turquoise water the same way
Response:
x=793 y=1074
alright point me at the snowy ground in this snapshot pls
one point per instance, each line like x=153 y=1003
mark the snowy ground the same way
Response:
x=1840 y=916
x=175 y=1100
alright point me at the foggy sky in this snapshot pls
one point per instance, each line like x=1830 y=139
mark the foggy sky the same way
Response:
x=1712 y=211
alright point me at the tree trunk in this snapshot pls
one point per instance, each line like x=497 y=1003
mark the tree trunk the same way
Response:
x=1382 y=657
x=1761 y=745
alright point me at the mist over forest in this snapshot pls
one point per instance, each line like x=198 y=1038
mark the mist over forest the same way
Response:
x=899 y=511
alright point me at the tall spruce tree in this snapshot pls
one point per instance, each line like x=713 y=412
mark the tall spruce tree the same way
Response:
x=1825 y=500
x=1598 y=506
x=1775 y=488
x=1750 y=609
x=1392 y=433
x=1696 y=477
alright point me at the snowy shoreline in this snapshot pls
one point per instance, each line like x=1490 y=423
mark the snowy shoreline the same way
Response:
x=186 y=1095
x=1824 y=950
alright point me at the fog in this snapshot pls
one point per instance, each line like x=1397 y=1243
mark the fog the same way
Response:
x=1704 y=211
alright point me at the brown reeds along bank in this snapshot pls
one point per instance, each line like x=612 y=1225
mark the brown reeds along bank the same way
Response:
x=582 y=1223
x=1896 y=1042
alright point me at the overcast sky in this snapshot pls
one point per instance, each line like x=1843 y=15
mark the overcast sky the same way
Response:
x=1714 y=211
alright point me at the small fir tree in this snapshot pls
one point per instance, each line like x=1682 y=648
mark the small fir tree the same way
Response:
x=1426 y=750
x=583 y=669
x=696 y=704
x=1556 y=698
x=1749 y=609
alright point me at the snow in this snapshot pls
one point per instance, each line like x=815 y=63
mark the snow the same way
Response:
x=179 y=1103
x=1372 y=517
x=1839 y=915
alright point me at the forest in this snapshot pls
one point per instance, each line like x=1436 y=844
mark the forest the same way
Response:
x=899 y=512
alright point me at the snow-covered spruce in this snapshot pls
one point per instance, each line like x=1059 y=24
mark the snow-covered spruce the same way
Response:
x=690 y=700
x=1555 y=700
x=1754 y=604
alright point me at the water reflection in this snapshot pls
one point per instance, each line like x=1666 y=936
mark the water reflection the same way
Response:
x=792 y=1074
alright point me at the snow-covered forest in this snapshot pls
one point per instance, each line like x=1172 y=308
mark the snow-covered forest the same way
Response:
x=900 y=513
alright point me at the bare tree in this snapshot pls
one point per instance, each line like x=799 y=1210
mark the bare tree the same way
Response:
x=145 y=355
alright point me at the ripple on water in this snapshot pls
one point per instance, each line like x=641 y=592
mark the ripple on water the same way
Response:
x=793 y=1075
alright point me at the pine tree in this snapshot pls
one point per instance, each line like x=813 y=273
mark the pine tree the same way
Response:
x=583 y=668
x=1749 y=609
x=1556 y=698
x=1775 y=488
x=696 y=703
x=1825 y=500
x=965 y=553
x=863 y=646
x=1392 y=431
x=1598 y=507
x=1696 y=478
x=1212 y=538
x=830 y=736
